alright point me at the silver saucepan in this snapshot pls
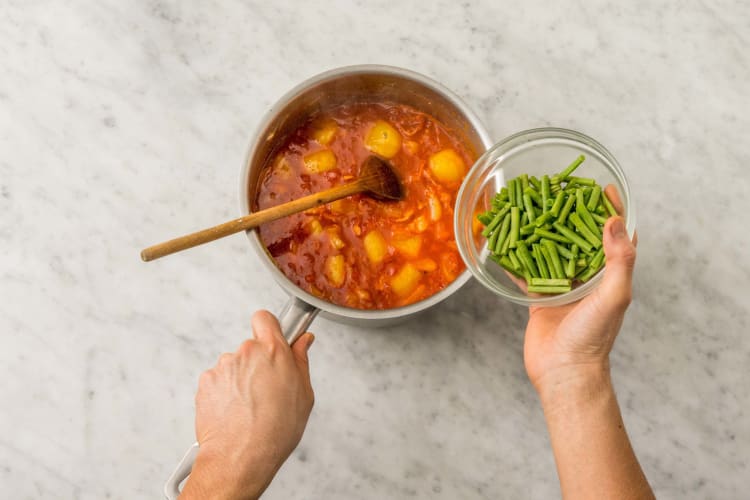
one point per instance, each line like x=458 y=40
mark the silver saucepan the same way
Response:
x=366 y=83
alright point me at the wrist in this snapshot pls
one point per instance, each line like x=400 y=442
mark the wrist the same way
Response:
x=217 y=475
x=573 y=386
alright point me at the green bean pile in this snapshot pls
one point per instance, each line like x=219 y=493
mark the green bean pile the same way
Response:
x=549 y=230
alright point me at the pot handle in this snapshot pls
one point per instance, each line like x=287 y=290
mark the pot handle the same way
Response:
x=296 y=317
x=294 y=320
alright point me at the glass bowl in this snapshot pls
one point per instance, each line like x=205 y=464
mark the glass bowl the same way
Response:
x=534 y=152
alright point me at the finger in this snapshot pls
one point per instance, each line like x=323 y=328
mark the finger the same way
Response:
x=519 y=282
x=300 y=348
x=266 y=328
x=614 y=197
x=616 y=288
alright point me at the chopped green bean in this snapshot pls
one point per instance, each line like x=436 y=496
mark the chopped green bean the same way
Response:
x=540 y=262
x=570 y=268
x=566 y=208
x=535 y=182
x=534 y=196
x=563 y=250
x=524 y=182
x=515 y=226
x=570 y=168
x=598 y=258
x=571 y=236
x=548 y=260
x=514 y=260
x=492 y=242
x=485 y=218
x=555 y=258
x=497 y=219
x=512 y=192
x=545 y=233
x=528 y=229
x=608 y=204
x=502 y=235
x=585 y=216
x=601 y=220
x=532 y=239
x=506 y=246
x=549 y=282
x=545 y=192
x=582 y=181
x=593 y=201
x=547 y=289
x=519 y=194
x=508 y=265
x=543 y=219
x=585 y=231
x=523 y=254
x=557 y=204
x=529 y=206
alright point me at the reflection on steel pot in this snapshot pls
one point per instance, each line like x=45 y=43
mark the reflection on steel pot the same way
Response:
x=367 y=83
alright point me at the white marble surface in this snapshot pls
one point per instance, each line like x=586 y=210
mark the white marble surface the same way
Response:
x=125 y=122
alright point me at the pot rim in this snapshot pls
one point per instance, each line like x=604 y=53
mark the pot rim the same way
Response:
x=291 y=288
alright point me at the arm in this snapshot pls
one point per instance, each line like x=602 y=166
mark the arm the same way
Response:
x=251 y=411
x=566 y=353
x=592 y=450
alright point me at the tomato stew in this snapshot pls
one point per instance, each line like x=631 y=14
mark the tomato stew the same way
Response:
x=359 y=252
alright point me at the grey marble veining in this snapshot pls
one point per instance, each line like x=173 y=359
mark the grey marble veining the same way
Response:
x=125 y=122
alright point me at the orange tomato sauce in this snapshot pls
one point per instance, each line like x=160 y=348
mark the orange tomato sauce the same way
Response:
x=359 y=252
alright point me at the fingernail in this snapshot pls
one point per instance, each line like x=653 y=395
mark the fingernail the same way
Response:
x=617 y=229
x=310 y=342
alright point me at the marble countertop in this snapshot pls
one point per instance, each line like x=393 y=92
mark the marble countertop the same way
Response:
x=125 y=122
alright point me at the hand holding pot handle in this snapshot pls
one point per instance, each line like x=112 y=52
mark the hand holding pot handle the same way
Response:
x=294 y=319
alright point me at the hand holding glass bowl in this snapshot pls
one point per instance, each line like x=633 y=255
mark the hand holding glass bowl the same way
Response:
x=534 y=152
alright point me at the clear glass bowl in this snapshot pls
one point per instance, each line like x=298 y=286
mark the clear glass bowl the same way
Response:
x=534 y=152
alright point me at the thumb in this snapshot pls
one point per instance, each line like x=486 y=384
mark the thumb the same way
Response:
x=300 y=348
x=616 y=288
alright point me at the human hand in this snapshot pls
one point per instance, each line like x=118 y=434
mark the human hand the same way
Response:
x=568 y=341
x=251 y=411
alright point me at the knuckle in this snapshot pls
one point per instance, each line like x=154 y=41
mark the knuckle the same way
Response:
x=623 y=299
x=205 y=378
x=311 y=399
x=628 y=256
x=273 y=349
x=246 y=347
x=224 y=359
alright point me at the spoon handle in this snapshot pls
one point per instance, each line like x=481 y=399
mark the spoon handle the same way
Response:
x=250 y=221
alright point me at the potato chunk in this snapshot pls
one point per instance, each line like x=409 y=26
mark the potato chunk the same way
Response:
x=375 y=246
x=315 y=226
x=324 y=131
x=335 y=270
x=426 y=265
x=405 y=280
x=447 y=166
x=383 y=139
x=436 y=209
x=410 y=247
x=320 y=161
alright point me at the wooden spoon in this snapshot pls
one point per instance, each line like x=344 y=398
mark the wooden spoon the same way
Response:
x=376 y=179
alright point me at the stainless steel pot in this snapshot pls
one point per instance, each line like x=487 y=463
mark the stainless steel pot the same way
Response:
x=368 y=83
